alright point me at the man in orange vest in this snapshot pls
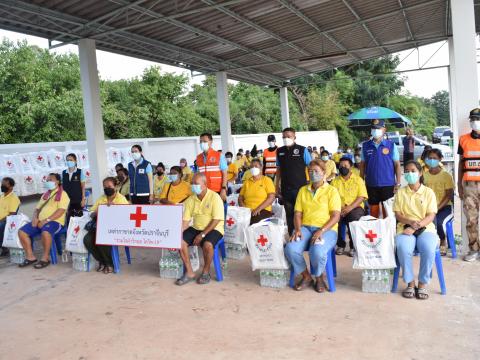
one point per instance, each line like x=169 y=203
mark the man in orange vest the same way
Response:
x=214 y=165
x=270 y=158
x=469 y=182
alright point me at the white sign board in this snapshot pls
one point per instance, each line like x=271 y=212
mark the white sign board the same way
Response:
x=153 y=226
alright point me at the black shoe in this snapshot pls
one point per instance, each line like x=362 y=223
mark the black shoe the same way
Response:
x=5 y=252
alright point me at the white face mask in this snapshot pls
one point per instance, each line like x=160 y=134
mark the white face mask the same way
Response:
x=204 y=146
x=255 y=171
x=287 y=142
x=475 y=125
x=271 y=144
x=136 y=155
x=377 y=133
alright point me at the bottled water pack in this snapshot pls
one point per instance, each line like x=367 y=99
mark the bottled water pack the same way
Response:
x=274 y=278
x=80 y=262
x=171 y=265
x=17 y=256
x=235 y=251
x=376 y=281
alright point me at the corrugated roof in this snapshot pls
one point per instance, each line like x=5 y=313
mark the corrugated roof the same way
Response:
x=258 y=41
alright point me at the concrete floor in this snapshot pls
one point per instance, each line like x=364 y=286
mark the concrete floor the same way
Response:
x=59 y=313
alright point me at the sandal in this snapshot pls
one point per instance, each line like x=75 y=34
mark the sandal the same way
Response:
x=422 y=293
x=41 y=264
x=184 y=280
x=339 y=251
x=409 y=292
x=107 y=269
x=303 y=284
x=443 y=250
x=27 y=262
x=100 y=268
x=204 y=279
x=320 y=285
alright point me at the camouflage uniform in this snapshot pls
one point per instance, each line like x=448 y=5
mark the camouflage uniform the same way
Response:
x=471 y=205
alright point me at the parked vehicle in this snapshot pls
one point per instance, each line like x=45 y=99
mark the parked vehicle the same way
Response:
x=438 y=133
x=446 y=137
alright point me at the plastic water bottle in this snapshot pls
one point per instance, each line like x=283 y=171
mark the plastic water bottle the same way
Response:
x=65 y=256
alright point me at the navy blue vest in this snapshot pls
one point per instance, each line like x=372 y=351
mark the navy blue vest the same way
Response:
x=379 y=164
x=139 y=178
x=292 y=167
x=73 y=187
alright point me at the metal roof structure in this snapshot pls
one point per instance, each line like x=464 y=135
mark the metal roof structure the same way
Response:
x=266 y=42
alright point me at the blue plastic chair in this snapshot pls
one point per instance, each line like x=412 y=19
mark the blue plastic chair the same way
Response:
x=218 y=250
x=330 y=269
x=439 y=266
x=450 y=237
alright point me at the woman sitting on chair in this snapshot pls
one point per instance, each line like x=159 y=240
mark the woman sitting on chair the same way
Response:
x=176 y=190
x=316 y=217
x=415 y=208
x=103 y=253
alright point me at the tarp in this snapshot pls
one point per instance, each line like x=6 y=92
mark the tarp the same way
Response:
x=362 y=118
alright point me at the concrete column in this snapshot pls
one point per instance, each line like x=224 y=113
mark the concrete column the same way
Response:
x=463 y=75
x=224 y=112
x=284 y=107
x=92 y=114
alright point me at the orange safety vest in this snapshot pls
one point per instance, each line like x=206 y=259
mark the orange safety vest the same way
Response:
x=471 y=156
x=211 y=169
x=270 y=159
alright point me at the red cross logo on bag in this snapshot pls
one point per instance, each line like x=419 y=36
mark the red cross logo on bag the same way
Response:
x=12 y=226
x=231 y=203
x=138 y=217
x=24 y=160
x=40 y=158
x=371 y=236
x=262 y=240
x=9 y=164
x=230 y=222
x=28 y=180
x=76 y=230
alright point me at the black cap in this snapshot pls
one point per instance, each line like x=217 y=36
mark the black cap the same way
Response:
x=475 y=113
x=271 y=138
x=378 y=123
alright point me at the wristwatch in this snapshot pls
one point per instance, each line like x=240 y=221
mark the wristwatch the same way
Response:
x=203 y=235
x=224 y=188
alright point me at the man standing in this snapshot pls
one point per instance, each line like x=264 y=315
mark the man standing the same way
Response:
x=292 y=161
x=380 y=167
x=213 y=165
x=270 y=158
x=408 y=146
x=469 y=182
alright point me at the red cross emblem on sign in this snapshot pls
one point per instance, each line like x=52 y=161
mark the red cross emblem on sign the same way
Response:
x=230 y=222
x=262 y=240
x=371 y=236
x=138 y=217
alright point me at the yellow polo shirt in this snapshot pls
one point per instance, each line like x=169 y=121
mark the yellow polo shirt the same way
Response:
x=356 y=171
x=336 y=157
x=239 y=163
x=350 y=189
x=439 y=183
x=316 y=207
x=331 y=169
x=158 y=185
x=255 y=192
x=203 y=211
x=187 y=174
x=232 y=172
x=119 y=199
x=176 y=193
x=246 y=175
x=415 y=205
x=53 y=206
x=8 y=204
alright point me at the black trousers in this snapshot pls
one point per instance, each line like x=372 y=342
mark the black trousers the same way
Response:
x=140 y=200
x=353 y=215
x=101 y=253
x=289 y=198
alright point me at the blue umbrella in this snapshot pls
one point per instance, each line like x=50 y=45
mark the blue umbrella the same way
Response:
x=363 y=117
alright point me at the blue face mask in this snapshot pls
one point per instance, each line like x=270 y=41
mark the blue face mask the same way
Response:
x=411 y=177
x=432 y=163
x=173 y=177
x=196 y=189
x=71 y=164
x=50 y=185
x=377 y=133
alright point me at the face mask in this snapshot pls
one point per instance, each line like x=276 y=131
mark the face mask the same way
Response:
x=349 y=151
x=287 y=142
x=196 y=189
x=136 y=156
x=432 y=163
x=377 y=133
x=204 y=146
x=71 y=164
x=343 y=171
x=315 y=177
x=411 y=177
x=325 y=158
x=50 y=185
x=159 y=172
x=229 y=160
x=108 y=191
x=271 y=144
x=4 y=189
x=173 y=177
x=255 y=171
x=475 y=125
x=358 y=159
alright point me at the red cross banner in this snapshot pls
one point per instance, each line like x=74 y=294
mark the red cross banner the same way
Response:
x=152 y=226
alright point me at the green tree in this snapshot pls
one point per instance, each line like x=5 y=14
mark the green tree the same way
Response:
x=441 y=103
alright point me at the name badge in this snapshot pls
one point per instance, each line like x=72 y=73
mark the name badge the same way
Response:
x=141 y=171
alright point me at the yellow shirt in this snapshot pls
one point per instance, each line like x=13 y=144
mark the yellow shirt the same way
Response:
x=356 y=171
x=336 y=157
x=187 y=174
x=316 y=208
x=331 y=169
x=415 y=205
x=239 y=163
x=439 y=183
x=203 y=211
x=53 y=206
x=255 y=192
x=8 y=204
x=125 y=188
x=176 y=193
x=119 y=199
x=349 y=190
x=232 y=172
x=246 y=175
x=158 y=185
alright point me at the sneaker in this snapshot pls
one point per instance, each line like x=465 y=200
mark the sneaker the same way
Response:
x=471 y=256
x=340 y=251
x=351 y=253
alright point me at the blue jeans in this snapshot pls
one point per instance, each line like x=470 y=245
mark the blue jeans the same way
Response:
x=440 y=218
x=426 y=245
x=318 y=253
x=2 y=230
